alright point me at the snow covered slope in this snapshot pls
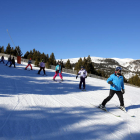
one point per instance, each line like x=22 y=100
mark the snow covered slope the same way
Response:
x=33 y=107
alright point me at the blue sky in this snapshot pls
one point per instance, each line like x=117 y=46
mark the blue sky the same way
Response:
x=73 y=28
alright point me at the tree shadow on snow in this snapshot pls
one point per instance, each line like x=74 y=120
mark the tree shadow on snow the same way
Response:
x=17 y=81
x=60 y=123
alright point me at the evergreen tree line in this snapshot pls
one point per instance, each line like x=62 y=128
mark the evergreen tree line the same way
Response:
x=135 y=80
x=88 y=65
x=38 y=56
x=11 y=50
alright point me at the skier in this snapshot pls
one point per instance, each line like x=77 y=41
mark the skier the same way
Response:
x=58 y=69
x=116 y=82
x=29 y=64
x=83 y=75
x=42 y=66
x=13 y=62
x=9 y=60
x=2 y=59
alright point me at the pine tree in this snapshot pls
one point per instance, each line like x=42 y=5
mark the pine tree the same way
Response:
x=62 y=64
x=89 y=59
x=26 y=55
x=36 y=62
x=47 y=65
x=30 y=56
x=135 y=80
x=89 y=66
x=68 y=64
x=12 y=51
x=8 y=49
x=43 y=56
x=79 y=64
x=52 y=59
x=85 y=62
x=2 y=49
x=35 y=55
x=18 y=50
x=46 y=58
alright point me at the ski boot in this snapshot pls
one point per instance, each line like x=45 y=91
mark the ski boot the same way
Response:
x=123 y=108
x=102 y=107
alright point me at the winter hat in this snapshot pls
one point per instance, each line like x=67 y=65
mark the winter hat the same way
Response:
x=118 y=68
x=82 y=66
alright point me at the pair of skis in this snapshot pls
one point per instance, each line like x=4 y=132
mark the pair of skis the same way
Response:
x=42 y=74
x=111 y=112
x=83 y=89
x=57 y=81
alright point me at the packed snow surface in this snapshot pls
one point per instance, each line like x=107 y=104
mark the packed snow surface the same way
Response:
x=33 y=107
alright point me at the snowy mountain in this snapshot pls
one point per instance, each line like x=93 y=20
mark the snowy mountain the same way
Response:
x=130 y=66
x=33 y=107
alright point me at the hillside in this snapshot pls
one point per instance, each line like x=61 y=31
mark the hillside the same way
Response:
x=130 y=66
x=33 y=107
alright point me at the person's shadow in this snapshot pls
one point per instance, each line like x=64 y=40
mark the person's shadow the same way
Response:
x=132 y=107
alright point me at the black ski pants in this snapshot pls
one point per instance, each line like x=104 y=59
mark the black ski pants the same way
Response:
x=82 y=80
x=41 y=69
x=111 y=94
x=12 y=64
x=2 y=61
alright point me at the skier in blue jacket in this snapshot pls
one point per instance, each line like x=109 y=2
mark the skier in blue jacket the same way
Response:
x=58 y=69
x=116 y=82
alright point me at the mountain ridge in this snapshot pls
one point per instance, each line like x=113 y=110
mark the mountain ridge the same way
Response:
x=129 y=66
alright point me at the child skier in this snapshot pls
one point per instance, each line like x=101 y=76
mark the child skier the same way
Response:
x=13 y=62
x=42 y=66
x=116 y=82
x=2 y=59
x=58 y=69
x=29 y=64
x=83 y=75
x=9 y=60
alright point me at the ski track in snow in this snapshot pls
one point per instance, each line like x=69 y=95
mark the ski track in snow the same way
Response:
x=33 y=107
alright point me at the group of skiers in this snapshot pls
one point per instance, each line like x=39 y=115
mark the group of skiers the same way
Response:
x=42 y=66
x=11 y=61
x=115 y=80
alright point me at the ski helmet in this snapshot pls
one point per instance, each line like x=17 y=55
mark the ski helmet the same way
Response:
x=118 y=68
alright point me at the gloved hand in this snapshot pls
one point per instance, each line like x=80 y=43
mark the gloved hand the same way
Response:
x=86 y=77
x=123 y=91
x=76 y=76
x=110 y=82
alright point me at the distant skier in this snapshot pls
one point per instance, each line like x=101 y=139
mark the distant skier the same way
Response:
x=58 y=69
x=9 y=60
x=42 y=66
x=29 y=64
x=12 y=62
x=2 y=59
x=116 y=82
x=83 y=75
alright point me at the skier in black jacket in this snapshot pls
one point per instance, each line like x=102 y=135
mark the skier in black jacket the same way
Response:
x=2 y=59
x=9 y=60
x=13 y=62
